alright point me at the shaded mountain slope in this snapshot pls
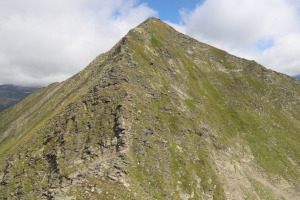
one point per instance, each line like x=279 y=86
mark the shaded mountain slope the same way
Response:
x=11 y=94
x=159 y=116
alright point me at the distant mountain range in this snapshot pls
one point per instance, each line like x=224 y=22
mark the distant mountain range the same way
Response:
x=297 y=77
x=11 y=94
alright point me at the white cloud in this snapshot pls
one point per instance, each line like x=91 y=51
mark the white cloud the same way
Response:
x=285 y=54
x=179 y=27
x=50 y=40
x=267 y=31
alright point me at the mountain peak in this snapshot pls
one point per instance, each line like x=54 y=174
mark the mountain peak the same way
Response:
x=155 y=24
x=152 y=21
x=159 y=116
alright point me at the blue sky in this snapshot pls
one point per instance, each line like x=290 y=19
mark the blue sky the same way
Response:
x=169 y=10
x=50 y=40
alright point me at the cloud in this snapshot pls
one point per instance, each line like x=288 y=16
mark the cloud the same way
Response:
x=267 y=31
x=179 y=27
x=50 y=40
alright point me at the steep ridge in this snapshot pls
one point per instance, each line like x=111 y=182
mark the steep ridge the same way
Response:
x=159 y=116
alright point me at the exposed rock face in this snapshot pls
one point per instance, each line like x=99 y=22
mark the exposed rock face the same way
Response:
x=159 y=116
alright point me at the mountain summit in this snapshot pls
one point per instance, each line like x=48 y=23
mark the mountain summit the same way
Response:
x=159 y=116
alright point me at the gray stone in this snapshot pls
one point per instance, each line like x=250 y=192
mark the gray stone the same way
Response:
x=98 y=191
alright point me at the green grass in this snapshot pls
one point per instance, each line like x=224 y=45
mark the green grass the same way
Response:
x=263 y=191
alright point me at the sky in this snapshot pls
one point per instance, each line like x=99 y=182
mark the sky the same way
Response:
x=48 y=41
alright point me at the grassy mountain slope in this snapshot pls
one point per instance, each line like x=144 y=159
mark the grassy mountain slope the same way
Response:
x=159 y=116
x=11 y=94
